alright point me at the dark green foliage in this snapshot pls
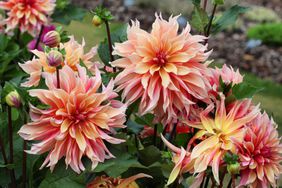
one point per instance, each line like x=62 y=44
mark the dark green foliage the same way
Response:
x=268 y=33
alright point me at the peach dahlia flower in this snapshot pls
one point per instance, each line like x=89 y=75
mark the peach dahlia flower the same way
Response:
x=28 y=15
x=74 y=53
x=76 y=122
x=260 y=154
x=218 y=134
x=162 y=68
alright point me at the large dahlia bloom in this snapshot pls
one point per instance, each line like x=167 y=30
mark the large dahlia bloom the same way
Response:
x=74 y=54
x=218 y=134
x=76 y=122
x=162 y=68
x=28 y=15
x=260 y=154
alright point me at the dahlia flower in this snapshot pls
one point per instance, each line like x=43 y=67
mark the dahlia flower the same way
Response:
x=260 y=154
x=227 y=74
x=218 y=134
x=162 y=68
x=109 y=182
x=74 y=53
x=181 y=159
x=28 y=15
x=76 y=122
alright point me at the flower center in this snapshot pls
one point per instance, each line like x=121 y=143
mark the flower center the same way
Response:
x=160 y=58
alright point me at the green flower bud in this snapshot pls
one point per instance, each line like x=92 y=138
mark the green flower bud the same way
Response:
x=233 y=168
x=97 y=21
x=13 y=99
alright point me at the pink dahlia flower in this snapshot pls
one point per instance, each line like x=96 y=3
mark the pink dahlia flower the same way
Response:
x=76 y=122
x=28 y=15
x=74 y=54
x=227 y=74
x=162 y=68
x=219 y=133
x=260 y=154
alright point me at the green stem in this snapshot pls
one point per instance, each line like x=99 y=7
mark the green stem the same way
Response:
x=210 y=22
x=155 y=135
x=11 y=147
x=110 y=42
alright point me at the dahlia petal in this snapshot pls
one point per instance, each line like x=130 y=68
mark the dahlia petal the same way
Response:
x=204 y=145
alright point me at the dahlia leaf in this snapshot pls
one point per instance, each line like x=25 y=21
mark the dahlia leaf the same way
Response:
x=149 y=155
x=228 y=18
x=244 y=90
x=199 y=19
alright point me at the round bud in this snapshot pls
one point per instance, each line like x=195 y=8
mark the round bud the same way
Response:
x=233 y=168
x=97 y=21
x=54 y=58
x=52 y=39
x=13 y=99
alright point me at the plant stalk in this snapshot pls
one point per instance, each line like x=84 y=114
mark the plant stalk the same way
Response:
x=58 y=77
x=233 y=181
x=205 y=5
x=207 y=181
x=222 y=178
x=39 y=37
x=172 y=134
x=110 y=43
x=210 y=23
x=24 y=157
x=11 y=147
x=155 y=134
x=2 y=148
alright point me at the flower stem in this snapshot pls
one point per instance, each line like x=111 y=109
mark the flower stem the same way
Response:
x=222 y=178
x=110 y=43
x=11 y=147
x=207 y=182
x=233 y=181
x=210 y=22
x=172 y=134
x=39 y=37
x=58 y=77
x=155 y=135
x=24 y=157
x=205 y=5
x=2 y=148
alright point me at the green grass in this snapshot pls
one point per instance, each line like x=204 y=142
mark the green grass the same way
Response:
x=270 y=98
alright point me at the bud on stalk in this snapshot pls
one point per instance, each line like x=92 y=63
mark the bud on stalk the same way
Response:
x=52 y=39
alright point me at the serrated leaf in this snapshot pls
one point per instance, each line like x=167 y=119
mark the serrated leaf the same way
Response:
x=199 y=19
x=228 y=18
x=244 y=90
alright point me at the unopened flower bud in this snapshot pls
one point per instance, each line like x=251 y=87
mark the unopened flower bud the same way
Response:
x=97 y=21
x=13 y=99
x=52 y=39
x=233 y=168
x=54 y=58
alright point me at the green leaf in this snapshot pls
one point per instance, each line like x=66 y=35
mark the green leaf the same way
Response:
x=147 y=119
x=218 y=2
x=68 y=13
x=9 y=166
x=134 y=127
x=196 y=2
x=228 y=18
x=199 y=19
x=115 y=167
x=15 y=114
x=4 y=40
x=117 y=35
x=62 y=178
x=149 y=155
x=244 y=90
